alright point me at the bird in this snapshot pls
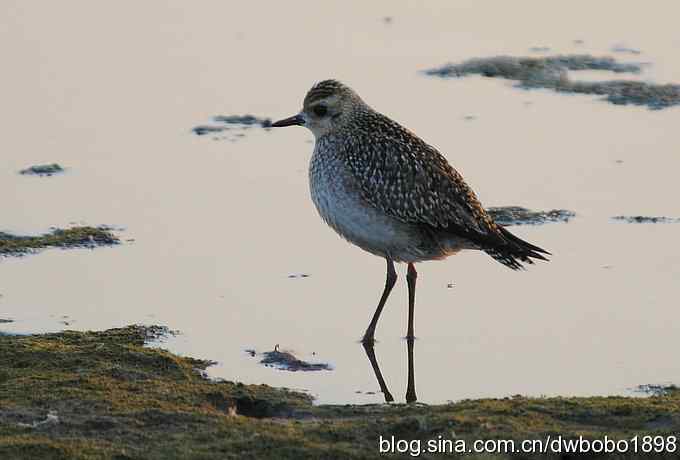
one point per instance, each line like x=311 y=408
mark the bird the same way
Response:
x=385 y=190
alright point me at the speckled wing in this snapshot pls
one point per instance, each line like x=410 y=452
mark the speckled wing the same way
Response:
x=404 y=177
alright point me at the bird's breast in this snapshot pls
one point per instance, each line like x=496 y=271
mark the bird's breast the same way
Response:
x=338 y=199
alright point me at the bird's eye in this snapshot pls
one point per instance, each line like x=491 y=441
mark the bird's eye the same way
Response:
x=320 y=110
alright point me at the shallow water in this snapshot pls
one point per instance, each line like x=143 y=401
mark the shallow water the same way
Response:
x=112 y=92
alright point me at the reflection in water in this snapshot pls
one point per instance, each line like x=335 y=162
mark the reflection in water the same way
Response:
x=411 y=386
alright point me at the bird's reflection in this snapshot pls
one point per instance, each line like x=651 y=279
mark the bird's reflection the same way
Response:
x=411 y=386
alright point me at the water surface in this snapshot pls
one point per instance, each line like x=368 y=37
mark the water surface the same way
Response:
x=111 y=92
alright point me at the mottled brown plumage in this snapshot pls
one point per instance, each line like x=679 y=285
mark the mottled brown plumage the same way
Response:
x=386 y=190
x=323 y=90
x=400 y=174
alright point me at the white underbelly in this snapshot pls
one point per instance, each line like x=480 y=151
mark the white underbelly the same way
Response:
x=342 y=207
x=355 y=220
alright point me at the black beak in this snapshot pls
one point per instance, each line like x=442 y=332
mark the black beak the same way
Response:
x=290 y=121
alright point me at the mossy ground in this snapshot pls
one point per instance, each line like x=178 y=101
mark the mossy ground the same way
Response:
x=235 y=124
x=74 y=237
x=43 y=170
x=517 y=215
x=647 y=219
x=552 y=72
x=90 y=395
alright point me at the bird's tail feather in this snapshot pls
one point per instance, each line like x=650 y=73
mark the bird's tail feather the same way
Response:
x=512 y=251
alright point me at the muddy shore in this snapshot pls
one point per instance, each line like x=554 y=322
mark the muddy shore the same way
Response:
x=69 y=238
x=553 y=73
x=105 y=394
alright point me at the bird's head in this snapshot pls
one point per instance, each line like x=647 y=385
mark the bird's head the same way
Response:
x=327 y=107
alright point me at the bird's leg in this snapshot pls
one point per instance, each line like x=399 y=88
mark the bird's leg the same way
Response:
x=411 y=277
x=370 y=353
x=389 y=284
x=411 y=386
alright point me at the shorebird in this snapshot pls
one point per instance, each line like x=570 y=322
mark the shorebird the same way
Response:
x=387 y=191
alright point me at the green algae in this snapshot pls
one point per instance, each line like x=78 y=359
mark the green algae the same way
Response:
x=287 y=361
x=74 y=237
x=647 y=219
x=518 y=215
x=232 y=126
x=552 y=72
x=90 y=395
x=42 y=170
